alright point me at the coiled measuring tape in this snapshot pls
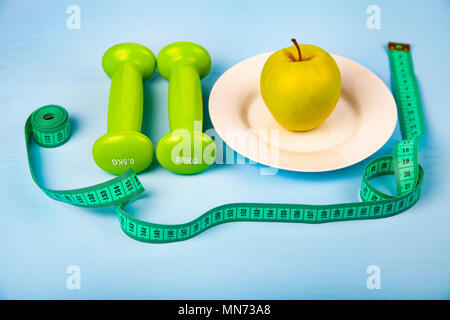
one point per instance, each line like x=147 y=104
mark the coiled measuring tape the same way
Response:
x=50 y=127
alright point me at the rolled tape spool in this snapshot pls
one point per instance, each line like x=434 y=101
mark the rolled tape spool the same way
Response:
x=51 y=127
x=124 y=146
x=185 y=149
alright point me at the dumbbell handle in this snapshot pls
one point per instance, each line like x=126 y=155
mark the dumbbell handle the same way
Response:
x=126 y=99
x=185 y=97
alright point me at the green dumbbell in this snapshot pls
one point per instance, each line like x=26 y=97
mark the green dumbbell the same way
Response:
x=124 y=146
x=185 y=149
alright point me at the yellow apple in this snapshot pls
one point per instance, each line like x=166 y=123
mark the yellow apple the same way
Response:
x=300 y=86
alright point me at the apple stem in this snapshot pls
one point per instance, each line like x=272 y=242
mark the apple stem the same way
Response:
x=298 y=49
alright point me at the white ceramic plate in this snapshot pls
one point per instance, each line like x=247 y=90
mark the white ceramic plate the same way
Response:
x=363 y=120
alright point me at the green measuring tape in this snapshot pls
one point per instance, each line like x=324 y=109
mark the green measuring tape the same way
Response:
x=50 y=127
